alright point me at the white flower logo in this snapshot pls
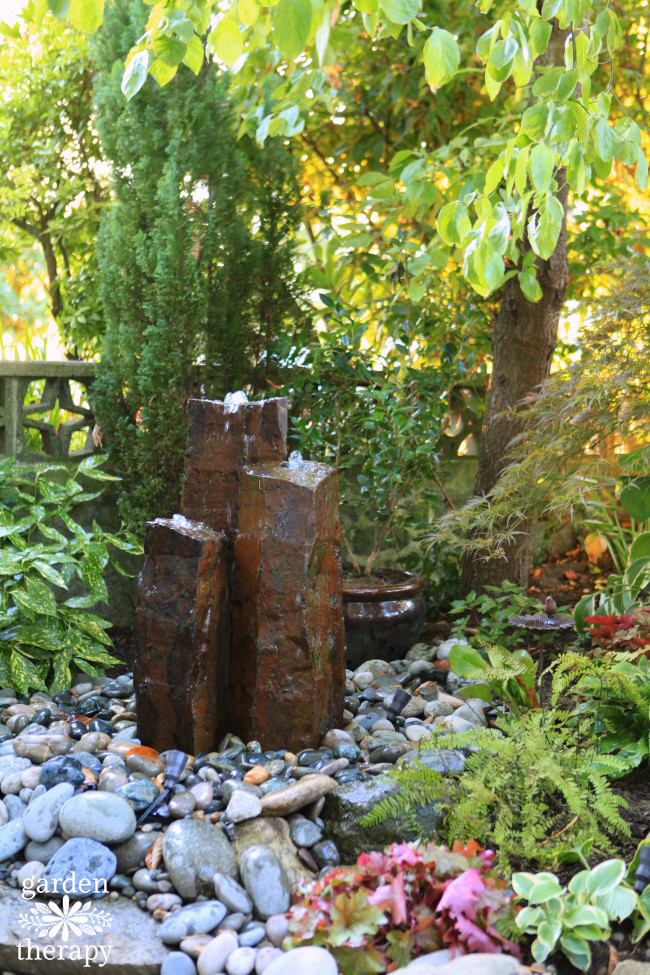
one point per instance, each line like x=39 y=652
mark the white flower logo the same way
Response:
x=76 y=918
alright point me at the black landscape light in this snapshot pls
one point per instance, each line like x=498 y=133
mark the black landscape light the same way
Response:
x=399 y=702
x=175 y=762
x=642 y=875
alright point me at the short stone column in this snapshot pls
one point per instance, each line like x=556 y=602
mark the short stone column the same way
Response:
x=288 y=657
x=183 y=637
x=223 y=437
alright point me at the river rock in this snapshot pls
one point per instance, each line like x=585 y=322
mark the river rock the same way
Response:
x=265 y=881
x=243 y=806
x=43 y=852
x=352 y=801
x=42 y=815
x=196 y=918
x=447 y=761
x=294 y=797
x=193 y=851
x=101 y=816
x=178 y=963
x=303 y=961
x=12 y=839
x=10 y=764
x=130 y=855
x=273 y=833
x=87 y=860
x=215 y=954
x=232 y=894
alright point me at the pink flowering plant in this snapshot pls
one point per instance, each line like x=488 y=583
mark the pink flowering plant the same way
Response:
x=411 y=899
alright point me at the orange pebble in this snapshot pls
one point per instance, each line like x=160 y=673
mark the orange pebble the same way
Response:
x=256 y=775
x=89 y=778
x=159 y=780
x=144 y=752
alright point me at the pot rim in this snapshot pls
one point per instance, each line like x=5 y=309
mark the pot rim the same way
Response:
x=365 y=592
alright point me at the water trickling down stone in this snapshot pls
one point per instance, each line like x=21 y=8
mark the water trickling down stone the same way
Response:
x=288 y=666
x=182 y=633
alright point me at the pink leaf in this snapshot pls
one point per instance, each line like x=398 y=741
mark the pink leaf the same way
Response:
x=461 y=894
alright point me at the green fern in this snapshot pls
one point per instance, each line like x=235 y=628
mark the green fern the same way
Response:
x=530 y=790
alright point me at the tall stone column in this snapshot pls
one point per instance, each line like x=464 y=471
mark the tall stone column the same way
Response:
x=221 y=439
x=183 y=637
x=287 y=658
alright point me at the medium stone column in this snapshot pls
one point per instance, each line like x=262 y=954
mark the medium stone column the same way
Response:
x=183 y=637
x=221 y=439
x=288 y=657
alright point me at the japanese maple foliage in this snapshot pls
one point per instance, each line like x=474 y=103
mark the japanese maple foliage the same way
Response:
x=411 y=899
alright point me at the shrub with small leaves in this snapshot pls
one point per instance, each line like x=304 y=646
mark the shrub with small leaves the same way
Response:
x=568 y=918
x=411 y=899
x=43 y=549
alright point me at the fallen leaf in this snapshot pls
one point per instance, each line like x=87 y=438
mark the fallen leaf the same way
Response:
x=154 y=857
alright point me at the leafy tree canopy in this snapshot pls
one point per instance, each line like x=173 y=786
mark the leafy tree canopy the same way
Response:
x=52 y=191
x=549 y=71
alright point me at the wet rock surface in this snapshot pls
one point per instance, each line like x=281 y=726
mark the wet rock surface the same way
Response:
x=182 y=635
x=287 y=660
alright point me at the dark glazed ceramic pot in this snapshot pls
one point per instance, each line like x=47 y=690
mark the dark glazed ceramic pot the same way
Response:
x=382 y=620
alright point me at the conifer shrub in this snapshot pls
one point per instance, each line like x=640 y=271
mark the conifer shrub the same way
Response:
x=196 y=263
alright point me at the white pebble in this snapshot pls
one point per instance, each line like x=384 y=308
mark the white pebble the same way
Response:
x=277 y=928
x=241 y=962
x=264 y=958
x=304 y=961
x=215 y=954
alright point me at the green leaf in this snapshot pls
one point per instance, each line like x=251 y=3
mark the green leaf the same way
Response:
x=635 y=497
x=578 y=171
x=227 y=41
x=529 y=284
x=23 y=673
x=133 y=80
x=193 y=56
x=400 y=11
x=50 y=574
x=37 y=598
x=465 y=660
x=542 y=159
x=59 y=8
x=545 y=888
x=540 y=34
x=86 y=15
x=441 y=57
x=534 y=119
x=605 y=140
x=292 y=26
x=502 y=59
x=605 y=877
x=453 y=222
x=618 y=903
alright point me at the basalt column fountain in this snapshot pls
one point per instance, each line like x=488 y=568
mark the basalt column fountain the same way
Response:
x=183 y=632
x=288 y=662
x=239 y=623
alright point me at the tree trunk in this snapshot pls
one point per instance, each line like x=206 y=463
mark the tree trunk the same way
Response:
x=523 y=342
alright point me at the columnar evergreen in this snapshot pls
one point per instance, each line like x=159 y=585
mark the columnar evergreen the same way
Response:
x=196 y=263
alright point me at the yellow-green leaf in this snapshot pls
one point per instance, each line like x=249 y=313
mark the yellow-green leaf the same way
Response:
x=86 y=15
x=227 y=41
